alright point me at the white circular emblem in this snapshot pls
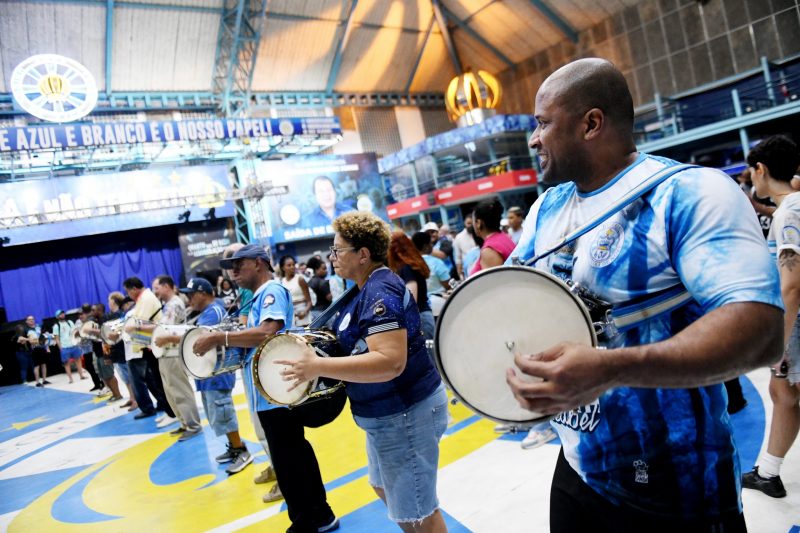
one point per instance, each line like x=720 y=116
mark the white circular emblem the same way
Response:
x=364 y=203
x=54 y=88
x=607 y=244
x=345 y=322
x=290 y=215
x=286 y=127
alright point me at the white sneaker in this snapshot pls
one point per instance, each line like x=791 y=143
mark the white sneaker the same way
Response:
x=536 y=438
x=161 y=417
x=166 y=421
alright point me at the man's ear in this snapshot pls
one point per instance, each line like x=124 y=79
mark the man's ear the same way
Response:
x=593 y=122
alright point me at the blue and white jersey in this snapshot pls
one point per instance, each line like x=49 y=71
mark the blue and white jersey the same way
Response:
x=384 y=304
x=271 y=301
x=784 y=233
x=668 y=451
x=440 y=273
x=211 y=316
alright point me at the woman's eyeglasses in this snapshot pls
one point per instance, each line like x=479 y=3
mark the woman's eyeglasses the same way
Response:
x=335 y=251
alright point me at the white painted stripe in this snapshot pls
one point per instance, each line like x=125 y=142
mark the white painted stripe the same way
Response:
x=248 y=520
x=5 y=519
x=13 y=449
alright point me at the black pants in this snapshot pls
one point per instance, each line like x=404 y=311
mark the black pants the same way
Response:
x=88 y=364
x=574 y=506
x=145 y=376
x=294 y=461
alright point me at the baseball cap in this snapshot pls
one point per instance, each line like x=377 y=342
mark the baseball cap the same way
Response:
x=430 y=226
x=250 y=251
x=198 y=285
x=58 y=312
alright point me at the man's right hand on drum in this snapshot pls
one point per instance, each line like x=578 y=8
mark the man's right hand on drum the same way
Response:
x=573 y=375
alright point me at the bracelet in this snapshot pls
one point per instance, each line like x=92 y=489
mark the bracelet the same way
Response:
x=226 y=339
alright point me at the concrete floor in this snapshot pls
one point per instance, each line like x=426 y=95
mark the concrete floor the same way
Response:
x=70 y=462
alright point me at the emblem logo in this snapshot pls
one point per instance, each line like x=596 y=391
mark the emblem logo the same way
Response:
x=379 y=309
x=54 y=88
x=269 y=300
x=607 y=244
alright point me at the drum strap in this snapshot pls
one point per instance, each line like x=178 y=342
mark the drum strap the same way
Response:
x=633 y=313
x=332 y=309
x=624 y=201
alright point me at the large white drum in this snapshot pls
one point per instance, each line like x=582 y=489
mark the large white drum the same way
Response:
x=169 y=350
x=491 y=316
x=289 y=346
x=211 y=363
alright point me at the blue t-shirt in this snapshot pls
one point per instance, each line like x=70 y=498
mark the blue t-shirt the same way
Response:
x=667 y=451
x=271 y=301
x=381 y=305
x=440 y=273
x=211 y=316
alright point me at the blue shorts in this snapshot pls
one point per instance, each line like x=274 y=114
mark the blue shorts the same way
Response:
x=218 y=405
x=124 y=372
x=73 y=352
x=403 y=456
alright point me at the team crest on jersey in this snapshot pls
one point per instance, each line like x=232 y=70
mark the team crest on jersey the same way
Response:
x=269 y=300
x=791 y=235
x=345 y=322
x=379 y=309
x=607 y=245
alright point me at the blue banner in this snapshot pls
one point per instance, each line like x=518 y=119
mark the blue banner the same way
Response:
x=320 y=189
x=49 y=209
x=103 y=134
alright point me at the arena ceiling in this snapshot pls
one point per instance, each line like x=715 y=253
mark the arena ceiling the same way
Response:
x=328 y=46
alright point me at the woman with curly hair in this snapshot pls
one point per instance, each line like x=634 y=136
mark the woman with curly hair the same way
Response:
x=395 y=393
x=406 y=261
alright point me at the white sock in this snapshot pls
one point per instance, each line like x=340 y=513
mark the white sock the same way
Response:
x=769 y=465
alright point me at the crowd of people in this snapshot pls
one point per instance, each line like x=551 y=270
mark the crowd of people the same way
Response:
x=659 y=453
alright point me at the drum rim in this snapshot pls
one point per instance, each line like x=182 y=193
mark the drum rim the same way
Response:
x=183 y=359
x=312 y=384
x=437 y=359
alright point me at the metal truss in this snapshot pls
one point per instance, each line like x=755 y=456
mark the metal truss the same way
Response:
x=252 y=192
x=237 y=48
x=147 y=102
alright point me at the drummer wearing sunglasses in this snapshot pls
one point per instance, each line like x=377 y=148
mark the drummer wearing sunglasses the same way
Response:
x=395 y=393
x=647 y=441
x=293 y=458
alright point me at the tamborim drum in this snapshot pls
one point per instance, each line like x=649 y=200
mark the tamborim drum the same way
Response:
x=169 y=350
x=289 y=345
x=491 y=316
x=215 y=361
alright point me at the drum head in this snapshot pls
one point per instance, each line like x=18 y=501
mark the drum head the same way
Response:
x=199 y=366
x=519 y=305
x=268 y=374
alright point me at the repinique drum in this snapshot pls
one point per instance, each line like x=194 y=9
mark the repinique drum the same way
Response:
x=211 y=363
x=139 y=330
x=289 y=345
x=491 y=316
x=168 y=329
x=111 y=332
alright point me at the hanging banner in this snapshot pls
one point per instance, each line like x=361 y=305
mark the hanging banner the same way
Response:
x=103 y=134
x=201 y=248
x=320 y=189
x=49 y=209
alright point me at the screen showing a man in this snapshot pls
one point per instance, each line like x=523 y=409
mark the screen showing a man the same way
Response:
x=327 y=206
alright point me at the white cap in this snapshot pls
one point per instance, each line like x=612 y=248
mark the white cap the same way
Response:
x=504 y=222
x=430 y=226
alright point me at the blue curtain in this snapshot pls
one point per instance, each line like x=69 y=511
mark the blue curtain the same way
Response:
x=37 y=279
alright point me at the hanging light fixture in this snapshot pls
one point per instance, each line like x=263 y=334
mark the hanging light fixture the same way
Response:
x=472 y=97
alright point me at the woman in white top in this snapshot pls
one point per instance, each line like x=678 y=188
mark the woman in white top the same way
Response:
x=301 y=298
